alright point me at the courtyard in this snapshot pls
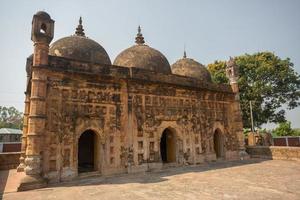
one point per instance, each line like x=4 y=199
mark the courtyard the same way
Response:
x=248 y=179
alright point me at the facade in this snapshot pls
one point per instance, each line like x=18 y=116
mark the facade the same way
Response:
x=84 y=114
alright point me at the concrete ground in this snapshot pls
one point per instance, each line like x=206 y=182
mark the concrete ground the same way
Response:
x=251 y=179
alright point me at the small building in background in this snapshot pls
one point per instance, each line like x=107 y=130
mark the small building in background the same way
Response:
x=10 y=140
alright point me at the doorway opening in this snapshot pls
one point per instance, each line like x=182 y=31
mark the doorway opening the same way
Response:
x=218 y=144
x=168 y=146
x=86 y=152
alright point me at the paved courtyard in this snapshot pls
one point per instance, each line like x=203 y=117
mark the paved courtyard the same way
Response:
x=251 y=179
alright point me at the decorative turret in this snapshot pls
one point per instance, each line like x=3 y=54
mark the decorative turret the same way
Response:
x=42 y=34
x=42 y=28
x=233 y=74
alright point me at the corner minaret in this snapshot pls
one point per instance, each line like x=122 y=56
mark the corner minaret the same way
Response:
x=41 y=35
x=235 y=108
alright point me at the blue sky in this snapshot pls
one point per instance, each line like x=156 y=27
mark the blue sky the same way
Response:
x=211 y=30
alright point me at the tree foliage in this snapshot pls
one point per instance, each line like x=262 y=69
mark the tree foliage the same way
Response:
x=266 y=80
x=10 y=117
x=217 y=70
x=297 y=131
x=284 y=129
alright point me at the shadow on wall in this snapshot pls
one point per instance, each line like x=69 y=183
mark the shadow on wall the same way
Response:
x=259 y=152
x=9 y=160
x=274 y=152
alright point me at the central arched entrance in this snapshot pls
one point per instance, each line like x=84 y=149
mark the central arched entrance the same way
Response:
x=218 y=144
x=86 y=152
x=168 y=146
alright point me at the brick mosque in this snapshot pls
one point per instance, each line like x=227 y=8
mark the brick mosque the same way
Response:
x=87 y=115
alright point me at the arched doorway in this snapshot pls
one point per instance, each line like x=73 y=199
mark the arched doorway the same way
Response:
x=218 y=144
x=86 y=152
x=168 y=146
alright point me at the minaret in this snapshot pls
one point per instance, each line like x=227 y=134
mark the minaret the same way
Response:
x=237 y=122
x=41 y=35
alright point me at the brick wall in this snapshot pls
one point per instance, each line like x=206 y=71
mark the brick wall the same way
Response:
x=274 y=152
x=9 y=160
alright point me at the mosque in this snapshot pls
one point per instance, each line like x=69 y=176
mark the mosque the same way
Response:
x=87 y=116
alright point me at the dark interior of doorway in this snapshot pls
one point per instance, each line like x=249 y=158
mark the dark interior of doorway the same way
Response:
x=86 y=152
x=163 y=147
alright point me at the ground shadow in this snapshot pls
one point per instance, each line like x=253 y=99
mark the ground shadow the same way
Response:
x=154 y=176
x=3 y=181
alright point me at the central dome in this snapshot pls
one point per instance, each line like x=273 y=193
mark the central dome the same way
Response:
x=79 y=47
x=143 y=56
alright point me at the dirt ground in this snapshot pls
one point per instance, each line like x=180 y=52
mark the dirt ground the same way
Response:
x=248 y=179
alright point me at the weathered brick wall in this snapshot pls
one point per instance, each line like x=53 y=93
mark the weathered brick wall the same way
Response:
x=9 y=160
x=274 y=152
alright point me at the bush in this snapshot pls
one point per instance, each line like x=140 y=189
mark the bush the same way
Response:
x=285 y=129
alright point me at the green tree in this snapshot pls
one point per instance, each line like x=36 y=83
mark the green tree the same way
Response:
x=10 y=117
x=266 y=80
x=297 y=131
x=284 y=129
x=217 y=69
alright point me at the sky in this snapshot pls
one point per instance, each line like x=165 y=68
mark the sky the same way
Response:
x=210 y=29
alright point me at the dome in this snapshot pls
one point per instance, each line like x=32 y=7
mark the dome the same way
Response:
x=191 y=68
x=43 y=15
x=143 y=56
x=79 y=47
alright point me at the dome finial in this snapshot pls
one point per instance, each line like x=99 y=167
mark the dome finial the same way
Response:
x=139 y=39
x=80 y=20
x=79 y=29
x=184 y=52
